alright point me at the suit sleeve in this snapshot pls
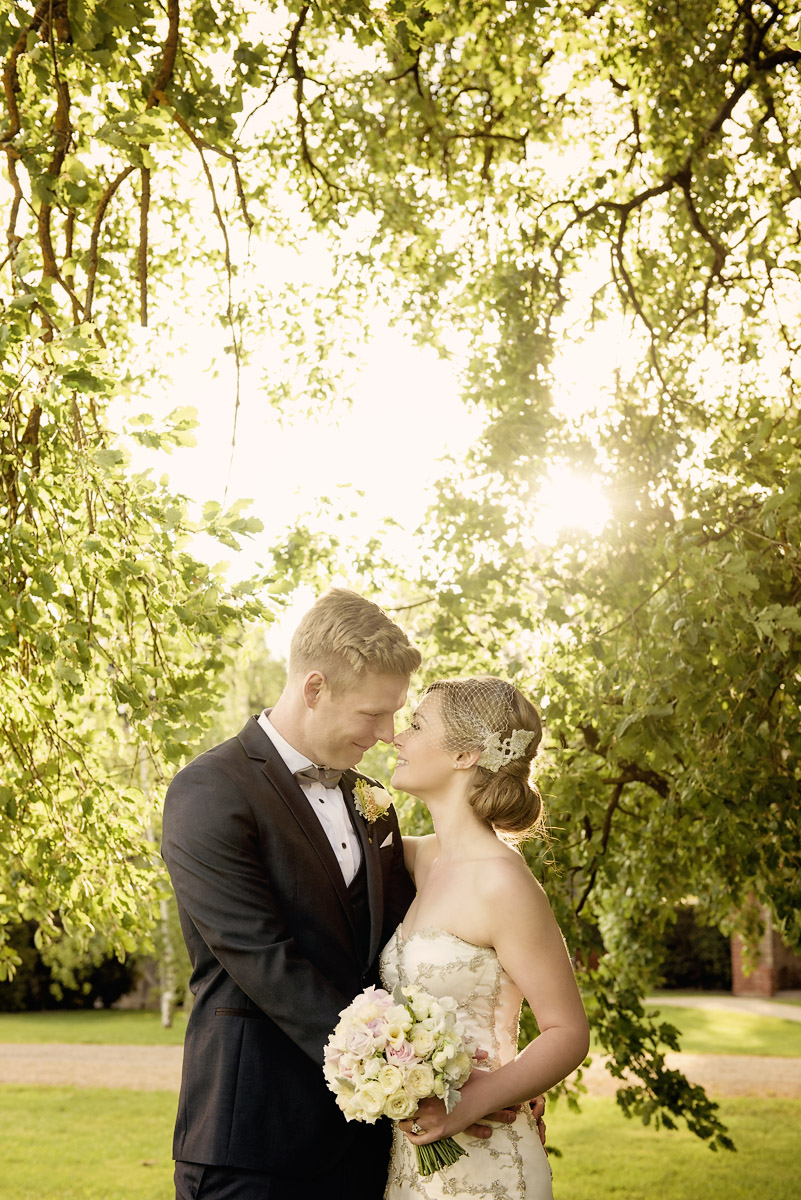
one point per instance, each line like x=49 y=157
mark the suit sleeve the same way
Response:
x=210 y=846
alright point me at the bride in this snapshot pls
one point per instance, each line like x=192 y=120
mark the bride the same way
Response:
x=481 y=930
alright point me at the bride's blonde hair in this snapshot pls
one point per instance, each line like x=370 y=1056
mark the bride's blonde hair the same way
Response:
x=483 y=706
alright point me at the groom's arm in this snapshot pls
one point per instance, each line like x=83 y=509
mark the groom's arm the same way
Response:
x=211 y=849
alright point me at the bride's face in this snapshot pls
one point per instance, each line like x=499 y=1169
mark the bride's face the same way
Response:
x=424 y=764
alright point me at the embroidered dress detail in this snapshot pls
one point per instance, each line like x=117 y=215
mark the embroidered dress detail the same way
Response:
x=511 y=1165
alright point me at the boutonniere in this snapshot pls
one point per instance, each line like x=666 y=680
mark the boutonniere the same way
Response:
x=372 y=801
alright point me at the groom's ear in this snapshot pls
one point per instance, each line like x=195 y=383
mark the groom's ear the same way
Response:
x=312 y=688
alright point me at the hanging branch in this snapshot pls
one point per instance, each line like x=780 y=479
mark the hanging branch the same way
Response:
x=144 y=209
x=289 y=49
x=10 y=89
x=168 y=54
x=11 y=75
x=94 y=242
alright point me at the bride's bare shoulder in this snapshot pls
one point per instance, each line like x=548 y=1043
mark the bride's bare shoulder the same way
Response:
x=506 y=879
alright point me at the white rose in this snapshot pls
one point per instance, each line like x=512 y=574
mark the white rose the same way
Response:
x=422 y=1039
x=381 y=798
x=420 y=1080
x=390 y=1079
x=400 y=1105
x=371 y=1098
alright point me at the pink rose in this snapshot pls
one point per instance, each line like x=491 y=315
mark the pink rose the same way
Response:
x=403 y=1054
x=360 y=1041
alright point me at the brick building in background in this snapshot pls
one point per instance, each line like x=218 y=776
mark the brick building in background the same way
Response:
x=777 y=967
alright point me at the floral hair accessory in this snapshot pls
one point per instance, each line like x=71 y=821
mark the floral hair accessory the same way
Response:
x=372 y=801
x=499 y=751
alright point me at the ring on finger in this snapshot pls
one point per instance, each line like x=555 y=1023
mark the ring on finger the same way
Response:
x=417 y=1128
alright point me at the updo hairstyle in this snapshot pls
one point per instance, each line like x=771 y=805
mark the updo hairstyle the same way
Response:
x=471 y=710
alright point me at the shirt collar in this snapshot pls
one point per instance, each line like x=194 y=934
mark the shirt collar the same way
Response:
x=293 y=758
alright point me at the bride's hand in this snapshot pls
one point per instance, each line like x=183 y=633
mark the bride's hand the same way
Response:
x=433 y=1122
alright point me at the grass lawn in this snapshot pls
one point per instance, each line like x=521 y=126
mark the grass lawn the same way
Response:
x=101 y=1027
x=703 y=1031
x=86 y=1144
x=719 y=1031
x=606 y=1157
x=97 y=1144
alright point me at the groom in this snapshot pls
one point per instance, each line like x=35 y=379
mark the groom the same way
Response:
x=286 y=895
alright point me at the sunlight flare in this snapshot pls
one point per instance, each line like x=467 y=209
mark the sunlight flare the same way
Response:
x=571 y=500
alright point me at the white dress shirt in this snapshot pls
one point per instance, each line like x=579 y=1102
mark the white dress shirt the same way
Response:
x=327 y=803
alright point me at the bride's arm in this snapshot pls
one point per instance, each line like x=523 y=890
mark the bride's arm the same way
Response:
x=523 y=931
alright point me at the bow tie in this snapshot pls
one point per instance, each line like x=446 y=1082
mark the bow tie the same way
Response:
x=327 y=776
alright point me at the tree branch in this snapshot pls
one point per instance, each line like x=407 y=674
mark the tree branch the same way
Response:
x=289 y=50
x=141 y=262
x=94 y=252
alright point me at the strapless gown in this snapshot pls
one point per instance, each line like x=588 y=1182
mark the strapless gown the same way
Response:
x=512 y=1163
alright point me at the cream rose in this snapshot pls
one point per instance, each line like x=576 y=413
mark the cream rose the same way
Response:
x=390 y=1079
x=372 y=1098
x=420 y=1080
x=422 y=1039
x=400 y=1105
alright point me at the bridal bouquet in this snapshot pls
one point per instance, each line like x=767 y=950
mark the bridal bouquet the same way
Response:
x=389 y=1052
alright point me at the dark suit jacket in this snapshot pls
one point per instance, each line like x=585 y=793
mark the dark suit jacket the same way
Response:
x=275 y=955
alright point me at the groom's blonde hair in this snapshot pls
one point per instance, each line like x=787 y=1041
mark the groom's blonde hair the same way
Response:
x=345 y=636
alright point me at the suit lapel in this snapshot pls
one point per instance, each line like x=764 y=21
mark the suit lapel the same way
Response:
x=258 y=745
x=372 y=863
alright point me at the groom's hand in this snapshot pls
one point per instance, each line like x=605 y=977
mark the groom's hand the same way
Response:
x=537 y=1106
x=507 y=1115
x=504 y=1116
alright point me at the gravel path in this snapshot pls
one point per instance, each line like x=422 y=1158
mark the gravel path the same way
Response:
x=719 y=1074
x=158 y=1068
x=142 y=1068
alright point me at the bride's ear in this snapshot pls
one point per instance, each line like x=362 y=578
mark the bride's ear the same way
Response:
x=466 y=759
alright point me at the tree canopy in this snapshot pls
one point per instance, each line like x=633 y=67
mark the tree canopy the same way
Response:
x=537 y=177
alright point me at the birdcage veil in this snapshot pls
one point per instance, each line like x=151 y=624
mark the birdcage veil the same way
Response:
x=482 y=712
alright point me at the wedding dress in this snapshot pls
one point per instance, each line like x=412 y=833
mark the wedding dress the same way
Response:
x=511 y=1165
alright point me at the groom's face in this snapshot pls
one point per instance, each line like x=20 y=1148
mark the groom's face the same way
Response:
x=348 y=722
